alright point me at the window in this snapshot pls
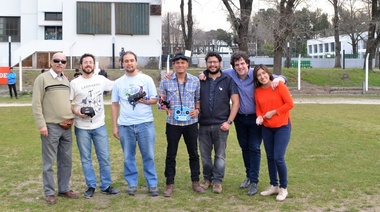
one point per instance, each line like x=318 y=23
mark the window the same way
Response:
x=315 y=48
x=53 y=33
x=326 y=47
x=132 y=18
x=52 y=16
x=332 y=47
x=10 y=26
x=310 y=49
x=320 y=48
x=93 y=18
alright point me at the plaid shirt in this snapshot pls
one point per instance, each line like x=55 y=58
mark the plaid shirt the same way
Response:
x=171 y=90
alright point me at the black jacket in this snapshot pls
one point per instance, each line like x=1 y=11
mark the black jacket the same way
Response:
x=224 y=88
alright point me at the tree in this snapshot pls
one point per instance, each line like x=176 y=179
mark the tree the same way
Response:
x=351 y=22
x=171 y=32
x=282 y=31
x=262 y=24
x=373 y=30
x=241 y=23
x=336 y=4
x=307 y=25
x=187 y=35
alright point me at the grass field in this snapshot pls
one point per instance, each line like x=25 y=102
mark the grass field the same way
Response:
x=333 y=162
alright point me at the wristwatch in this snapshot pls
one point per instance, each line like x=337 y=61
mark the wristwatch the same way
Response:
x=229 y=122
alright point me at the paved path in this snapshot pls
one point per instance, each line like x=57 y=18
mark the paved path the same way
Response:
x=297 y=100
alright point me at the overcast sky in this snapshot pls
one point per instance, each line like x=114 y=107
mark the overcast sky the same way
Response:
x=211 y=14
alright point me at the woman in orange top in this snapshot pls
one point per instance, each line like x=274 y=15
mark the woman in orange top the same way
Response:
x=272 y=109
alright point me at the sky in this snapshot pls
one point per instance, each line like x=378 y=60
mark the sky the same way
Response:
x=211 y=14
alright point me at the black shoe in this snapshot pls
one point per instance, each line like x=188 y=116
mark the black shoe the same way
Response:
x=89 y=192
x=132 y=190
x=153 y=191
x=245 y=183
x=252 y=189
x=110 y=191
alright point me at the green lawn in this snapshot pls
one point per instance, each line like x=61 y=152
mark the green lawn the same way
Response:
x=333 y=162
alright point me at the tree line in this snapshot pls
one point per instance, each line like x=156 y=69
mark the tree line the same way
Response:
x=270 y=31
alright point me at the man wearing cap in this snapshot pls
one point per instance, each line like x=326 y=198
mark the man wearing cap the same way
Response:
x=180 y=97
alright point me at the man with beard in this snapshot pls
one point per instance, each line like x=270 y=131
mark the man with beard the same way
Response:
x=215 y=120
x=87 y=92
x=133 y=94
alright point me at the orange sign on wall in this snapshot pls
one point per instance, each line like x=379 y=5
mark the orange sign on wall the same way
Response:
x=3 y=75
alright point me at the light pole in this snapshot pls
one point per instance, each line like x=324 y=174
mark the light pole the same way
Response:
x=256 y=34
x=10 y=51
x=287 y=56
x=113 y=52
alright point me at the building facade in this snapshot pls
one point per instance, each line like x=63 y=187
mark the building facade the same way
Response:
x=39 y=28
x=325 y=47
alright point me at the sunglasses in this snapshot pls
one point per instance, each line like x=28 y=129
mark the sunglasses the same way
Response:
x=58 y=60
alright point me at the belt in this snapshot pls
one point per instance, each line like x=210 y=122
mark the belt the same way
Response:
x=240 y=114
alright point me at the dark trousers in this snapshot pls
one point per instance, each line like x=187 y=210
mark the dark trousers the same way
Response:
x=190 y=136
x=12 y=86
x=250 y=137
x=276 y=141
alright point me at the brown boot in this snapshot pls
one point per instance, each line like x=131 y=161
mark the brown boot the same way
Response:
x=169 y=190
x=206 y=184
x=197 y=187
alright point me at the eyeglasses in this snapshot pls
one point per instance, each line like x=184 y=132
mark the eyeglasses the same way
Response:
x=58 y=60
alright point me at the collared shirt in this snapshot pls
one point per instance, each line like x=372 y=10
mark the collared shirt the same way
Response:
x=246 y=89
x=55 y=75
x=187 y=93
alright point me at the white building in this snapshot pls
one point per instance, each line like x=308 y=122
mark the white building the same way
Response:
x=39 y=28
x=325 y=47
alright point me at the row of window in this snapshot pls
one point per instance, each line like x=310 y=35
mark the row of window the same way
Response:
x=92 y=18
x=321 y=48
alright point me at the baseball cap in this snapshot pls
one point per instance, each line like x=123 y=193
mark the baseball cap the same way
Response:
x=180 y=56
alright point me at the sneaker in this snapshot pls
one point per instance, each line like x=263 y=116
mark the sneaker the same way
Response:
x=270 y=191
x=153 y=191
x=206 y=184
x=217 y=188
x=169 y=190
x=252 y=189
x=89 y=192
x=131 y=190
x=282 y=194
x=111 y=191
x=197 y=187
x=245 y=183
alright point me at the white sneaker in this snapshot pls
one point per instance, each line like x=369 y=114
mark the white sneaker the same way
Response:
x=270 y=191
x=282 y=194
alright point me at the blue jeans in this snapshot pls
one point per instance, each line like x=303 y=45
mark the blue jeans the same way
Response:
x=190 y=136
x=276 y=141
x=99 y=137
x=211 y=136
x=145 y=136
x=250 y=137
